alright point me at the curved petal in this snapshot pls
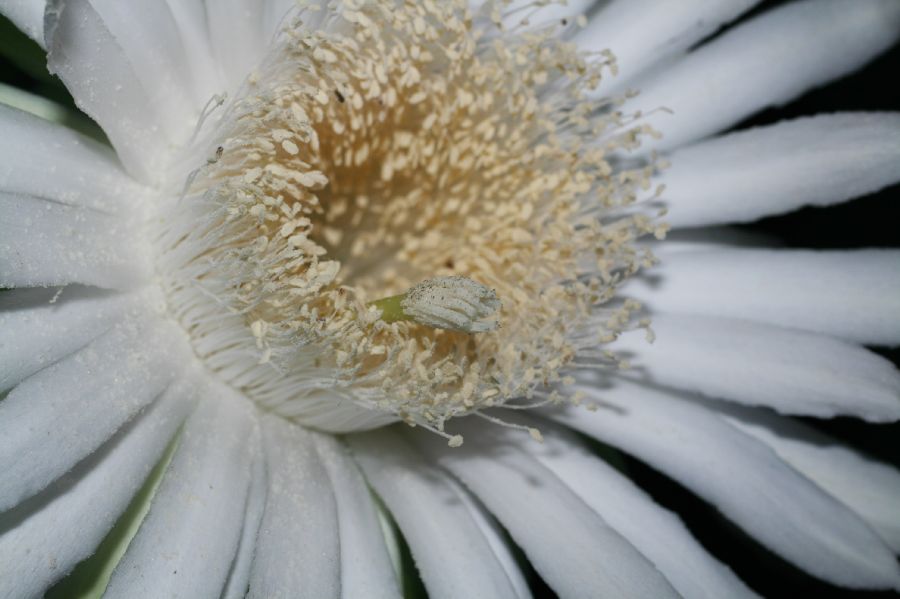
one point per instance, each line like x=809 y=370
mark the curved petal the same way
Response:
x=366 y=569
x=817 y=161
x=297 y=548
x=239 y=576
x=149 y=39
x=499 y=545
x=854 y=295
x=52 y=162
x=206 y=77
x=743 y=478
x=95 y=68
x=767 y=61
x=641 y=33
x=44 y=538
x=45 y=243
x=657 y=533
x=27 y=15
x=869 y=487
x=59 y=416
x=237 y=35
x=570 y=546
x=187 y=541
x=792 y=371
x=42 y=326
x=451 y=552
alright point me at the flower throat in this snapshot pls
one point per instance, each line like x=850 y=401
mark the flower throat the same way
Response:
x=387 y=143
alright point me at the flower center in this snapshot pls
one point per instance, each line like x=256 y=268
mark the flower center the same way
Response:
x=383 y=145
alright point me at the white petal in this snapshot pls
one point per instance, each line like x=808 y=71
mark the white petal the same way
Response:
x=238 y=38
x=239 y=577
x=45 y=243
x=867 y=486
x=42 y=540
x=366 y=569
x=641 y=33
x=95 y=69
x=49 y=161
x=187 y=541
x=792 y=371
x=27 y=15
x=767 y=61
x=501 y=548
x=451 y=552
x=570 y=546
x=149 y=39
x=657 y=533
x=205 y=73
x=57 y=417
x=40 y=327
x=854 y=295
x=750 y=174
x=745 y=480
x=332 y=411
x=297 y=550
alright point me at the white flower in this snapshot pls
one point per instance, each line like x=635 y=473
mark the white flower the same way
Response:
x=223 y=283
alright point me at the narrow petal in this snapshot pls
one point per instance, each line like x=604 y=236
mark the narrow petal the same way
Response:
x=817 y=161
x=767 y=61
x=854 y=295
x=366 y=569
x=297 y=551
x=40 y=327
x=49 y=161
x=105 y=85
x=499 y=545
x=641 y=33
x=44 y=243
x=27 y=15
x=239 y=576
x=59 y=416
x=654 y=531
x=792 y=371
x=570 y=546
x=206 y=77
x=743 y=478
x=43 y=539
x=869 y=487
x=451 y=552
x=239 y=40
x=189 y=538
x=149 y=39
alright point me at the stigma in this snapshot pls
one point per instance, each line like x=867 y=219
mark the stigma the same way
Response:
x=452 y=303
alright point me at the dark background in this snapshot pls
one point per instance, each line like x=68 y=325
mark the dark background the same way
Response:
x=865 y=222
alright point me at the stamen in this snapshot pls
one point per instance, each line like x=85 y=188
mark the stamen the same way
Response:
x=532 y=431
x=382 y=142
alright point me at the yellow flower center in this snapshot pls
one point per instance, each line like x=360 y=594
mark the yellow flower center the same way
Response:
x=383 y=144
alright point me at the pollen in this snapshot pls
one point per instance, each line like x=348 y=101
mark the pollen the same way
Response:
x=426 y=153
